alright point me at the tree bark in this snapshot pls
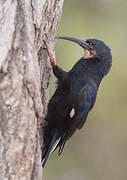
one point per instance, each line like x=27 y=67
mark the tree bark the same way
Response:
x=24 y=78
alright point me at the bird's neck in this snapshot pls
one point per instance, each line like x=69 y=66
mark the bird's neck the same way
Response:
x=91 y=68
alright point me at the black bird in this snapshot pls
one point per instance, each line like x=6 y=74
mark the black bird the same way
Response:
x=76 y=93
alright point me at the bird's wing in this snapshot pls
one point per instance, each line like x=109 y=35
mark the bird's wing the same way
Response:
x=83 y=105
x=84 y=102
x=79 y=112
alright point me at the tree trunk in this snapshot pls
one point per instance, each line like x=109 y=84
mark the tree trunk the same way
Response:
x=24 y=78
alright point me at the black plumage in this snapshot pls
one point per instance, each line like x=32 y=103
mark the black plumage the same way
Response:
x=75 y=95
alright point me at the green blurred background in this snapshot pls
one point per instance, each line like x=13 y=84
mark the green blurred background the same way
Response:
x=99 y=150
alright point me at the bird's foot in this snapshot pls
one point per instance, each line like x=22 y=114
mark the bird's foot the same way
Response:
x=50 y=54
x=43 y=122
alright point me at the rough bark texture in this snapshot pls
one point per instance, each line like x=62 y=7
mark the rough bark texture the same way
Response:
x=24 y=78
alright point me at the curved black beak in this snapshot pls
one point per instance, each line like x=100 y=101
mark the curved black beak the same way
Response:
x=81 y=42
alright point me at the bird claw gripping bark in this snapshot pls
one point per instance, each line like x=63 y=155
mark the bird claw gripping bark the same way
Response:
x=43 y=122
x=50 y=54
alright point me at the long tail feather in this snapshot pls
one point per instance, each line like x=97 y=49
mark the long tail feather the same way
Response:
x=48 y=149
x=55 y=146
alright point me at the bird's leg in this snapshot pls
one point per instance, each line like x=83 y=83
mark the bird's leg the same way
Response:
x=58 y=72
x=42 y=118
x=50 y=54
x=43 y=122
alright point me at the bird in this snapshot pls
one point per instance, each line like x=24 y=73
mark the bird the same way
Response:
x=75 y=94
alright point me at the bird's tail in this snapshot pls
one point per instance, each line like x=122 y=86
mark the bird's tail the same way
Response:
x=48 y=147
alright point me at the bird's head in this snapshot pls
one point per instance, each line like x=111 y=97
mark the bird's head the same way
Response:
x=93 y=48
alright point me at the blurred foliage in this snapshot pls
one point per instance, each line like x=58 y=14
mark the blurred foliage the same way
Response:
x=98 y=151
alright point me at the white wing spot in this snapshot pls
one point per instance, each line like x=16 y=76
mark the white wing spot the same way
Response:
x=72 y=113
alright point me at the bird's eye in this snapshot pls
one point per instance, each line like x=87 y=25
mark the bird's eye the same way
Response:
x=92 y=43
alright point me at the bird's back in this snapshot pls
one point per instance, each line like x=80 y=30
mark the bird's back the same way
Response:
x=65 y=97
